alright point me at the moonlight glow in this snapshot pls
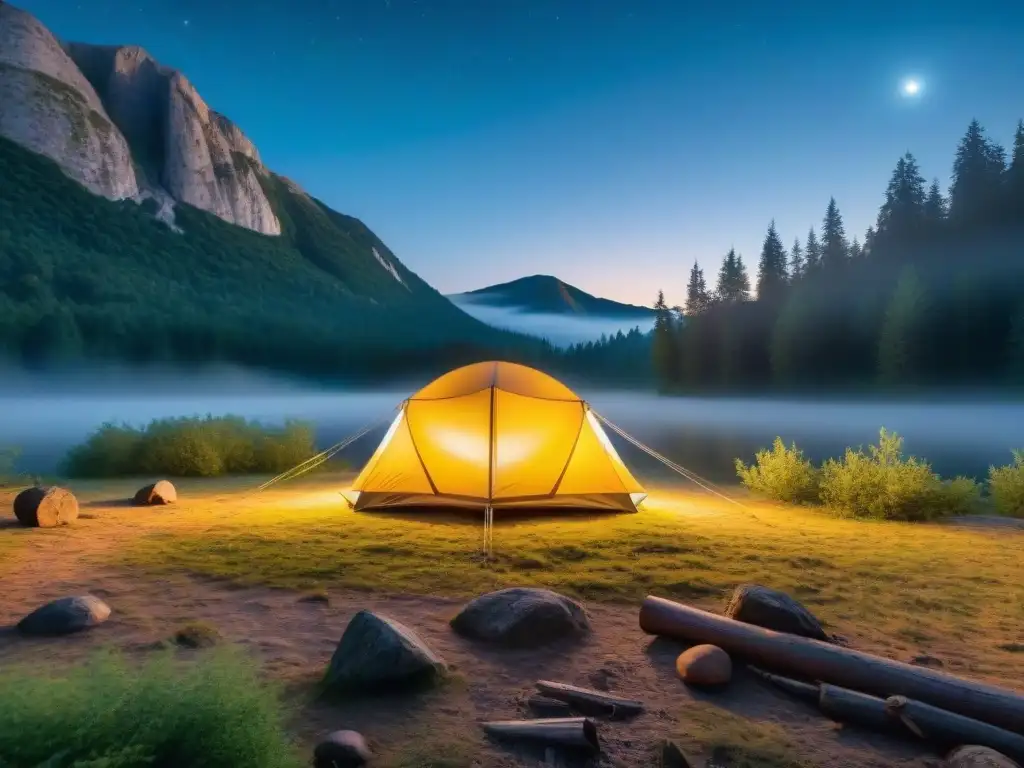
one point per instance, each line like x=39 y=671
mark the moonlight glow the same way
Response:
x=911 y=87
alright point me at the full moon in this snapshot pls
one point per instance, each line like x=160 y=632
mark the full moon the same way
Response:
x=911 y=87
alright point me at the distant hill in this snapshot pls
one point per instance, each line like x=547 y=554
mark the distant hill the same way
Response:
x=544 y=294
x=545 y=306
x=138 y=224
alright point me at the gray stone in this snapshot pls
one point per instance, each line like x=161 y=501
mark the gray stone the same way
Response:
x=65 y=616
x=160 y=492
x=342 y=749
x=775 y=610
x=673 y=756
x=973 y=756
x=376 y=652
x=521 y=617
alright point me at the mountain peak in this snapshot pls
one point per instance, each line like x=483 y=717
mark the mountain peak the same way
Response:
x=125 y=126
x=547 y=294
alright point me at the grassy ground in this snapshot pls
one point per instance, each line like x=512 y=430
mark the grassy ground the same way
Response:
x=915 y=581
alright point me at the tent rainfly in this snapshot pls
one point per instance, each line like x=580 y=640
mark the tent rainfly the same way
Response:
x=496 y=435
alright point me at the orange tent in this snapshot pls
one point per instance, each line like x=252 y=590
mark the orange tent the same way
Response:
x=496 y=435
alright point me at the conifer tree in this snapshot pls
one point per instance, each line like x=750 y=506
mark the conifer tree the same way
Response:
x=1015 y=177
x=733 y=282
x=901 y=217
x=771 y=271
x=977 y=179
x=834 y=248
x=869 y=242
x=934 y=208
x=901 y=354
x=663 y=346
x=697 y=297
x=812 y=252
x=796 y=261
x=856 y=252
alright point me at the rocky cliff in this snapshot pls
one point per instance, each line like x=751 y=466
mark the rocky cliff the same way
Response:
x=47 y=105
x=123 y=125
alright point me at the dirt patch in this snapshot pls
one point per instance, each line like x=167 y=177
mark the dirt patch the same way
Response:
x=294 y=639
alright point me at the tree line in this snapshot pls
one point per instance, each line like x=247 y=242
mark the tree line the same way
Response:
x=932 y=294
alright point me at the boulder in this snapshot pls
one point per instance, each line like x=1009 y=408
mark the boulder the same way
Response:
x=342 y=749
x=673 y=756
x=45 y=507
x=973 y=756
x=161 y=492
x=65 y=616
x=521 y=617
x=706 y=665
x=377 y=652
x=775 y=610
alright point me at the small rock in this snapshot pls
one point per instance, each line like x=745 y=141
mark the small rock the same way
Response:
x=342 y=749
x=64 y=616
x=673 y=756
x=521 y=617
x=45 y=507
x=161 y=492
x=378 y=652
x=927 y=661
x=315 y=597
x=973 y=756
x=772 y=609
x=704 y=665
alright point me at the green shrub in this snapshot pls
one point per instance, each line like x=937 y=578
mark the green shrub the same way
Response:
x=1006 y=486
x=111 y=714
x=883 y=484
x=781 y=473
x=191 y=447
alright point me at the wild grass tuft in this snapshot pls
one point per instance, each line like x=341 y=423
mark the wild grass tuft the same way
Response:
x=110 y=713
x=191 y=447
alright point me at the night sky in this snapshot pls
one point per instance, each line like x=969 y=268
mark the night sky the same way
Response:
x=609 y=143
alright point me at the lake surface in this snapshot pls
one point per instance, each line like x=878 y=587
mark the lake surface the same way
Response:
x=45 y=416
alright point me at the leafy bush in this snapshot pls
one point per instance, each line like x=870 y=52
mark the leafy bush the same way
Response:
x=781 y=473
x=1006 y=486
x=111 y=714
x=883 y=484
x=191 y=447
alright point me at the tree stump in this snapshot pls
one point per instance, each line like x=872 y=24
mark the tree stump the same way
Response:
x=45 y=507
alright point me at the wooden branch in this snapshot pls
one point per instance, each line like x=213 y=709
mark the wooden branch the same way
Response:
x=815 y=660
x=949 y=729
x=589 y=701
x=803 y=691
x=569 y=732
x=846 y=706
x=548 y=707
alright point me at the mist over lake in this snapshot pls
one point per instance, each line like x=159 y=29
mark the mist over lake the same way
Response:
x=45 y=415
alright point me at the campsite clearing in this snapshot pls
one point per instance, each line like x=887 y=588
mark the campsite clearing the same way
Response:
x=242 y=562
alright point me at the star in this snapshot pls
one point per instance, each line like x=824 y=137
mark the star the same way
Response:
x=185 y=22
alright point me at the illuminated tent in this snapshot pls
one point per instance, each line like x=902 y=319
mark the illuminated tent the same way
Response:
x=496 y=435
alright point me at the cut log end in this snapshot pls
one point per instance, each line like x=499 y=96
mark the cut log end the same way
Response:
x=567 y=732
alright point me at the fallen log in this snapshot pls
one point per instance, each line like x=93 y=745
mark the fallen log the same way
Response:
x=804 y=691
x=846 y=706
x=815 y=660
x=949 y=729
x=589 y=701
x=569 y=732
